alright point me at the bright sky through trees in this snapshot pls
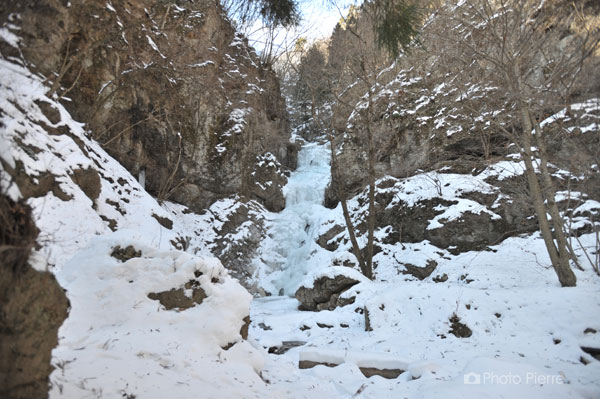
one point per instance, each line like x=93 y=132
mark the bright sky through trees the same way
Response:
x=319 y=17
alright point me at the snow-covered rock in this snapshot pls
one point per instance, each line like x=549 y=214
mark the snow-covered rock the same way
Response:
x=118 y=340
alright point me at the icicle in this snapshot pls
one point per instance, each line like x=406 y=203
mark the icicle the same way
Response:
x=142 y=178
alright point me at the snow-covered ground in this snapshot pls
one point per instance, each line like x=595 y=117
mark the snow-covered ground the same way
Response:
x=525 y=342
x=527 y=332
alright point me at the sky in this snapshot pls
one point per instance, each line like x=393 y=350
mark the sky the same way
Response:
x=319 y=17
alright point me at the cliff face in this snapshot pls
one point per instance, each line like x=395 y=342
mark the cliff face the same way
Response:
x=439 y=107
x=444 y=119
x=29 y=318
x=168 y=89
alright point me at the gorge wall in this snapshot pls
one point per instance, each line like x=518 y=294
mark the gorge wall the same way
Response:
x=168 y=89
x=29 y=318
x=443 y=112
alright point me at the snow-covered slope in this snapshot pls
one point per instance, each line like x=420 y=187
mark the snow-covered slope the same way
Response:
x=117 y=341
x=489 y=320
x=526 y=333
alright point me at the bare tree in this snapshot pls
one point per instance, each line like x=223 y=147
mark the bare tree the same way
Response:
x=534 y=53
x=357 y=68
x=323 y=122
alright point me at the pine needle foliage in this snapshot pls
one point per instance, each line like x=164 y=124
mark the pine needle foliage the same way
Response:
x=280 y=12
x=273 y=13
x=396 y=25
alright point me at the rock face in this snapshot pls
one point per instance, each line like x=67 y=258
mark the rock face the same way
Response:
x=469 y=214
x=239 y=228
x=169 y=90
x=177 y=298
x=433 y=117
x=433 y=109
x=325 y=293
x=32 y=308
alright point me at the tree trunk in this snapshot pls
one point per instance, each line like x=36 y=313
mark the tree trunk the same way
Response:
x=566 y=277
x=371 y=217
x=349 y=225
x=549 y=192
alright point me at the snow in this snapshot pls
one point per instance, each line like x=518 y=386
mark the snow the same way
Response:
x=154 y=46
x=9 y=37
x=202 y=64
x=237 y=119
x=587 y=206
x=116 y=340
x=292 y=233
x=589 y=109
x=454 y=212
x=514 y=306
x=527 y=330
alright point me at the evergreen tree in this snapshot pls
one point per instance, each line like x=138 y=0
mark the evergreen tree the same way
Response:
x=395 y=23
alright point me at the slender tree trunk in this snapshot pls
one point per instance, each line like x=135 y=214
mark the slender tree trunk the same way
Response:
x=355 y=248
x=550 y=193
x=371 y=217
x=349 y=225
x=566 y=277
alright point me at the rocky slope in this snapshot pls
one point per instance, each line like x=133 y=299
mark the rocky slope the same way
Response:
x=438 y=116
x=95 y=218
x=169 y=90
x=439 y=106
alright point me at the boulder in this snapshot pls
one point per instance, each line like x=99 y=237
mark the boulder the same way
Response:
x=325 y=293
x=176 y=298
x=124 y=254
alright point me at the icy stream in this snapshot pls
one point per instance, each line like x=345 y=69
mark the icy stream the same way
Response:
x=294 y=230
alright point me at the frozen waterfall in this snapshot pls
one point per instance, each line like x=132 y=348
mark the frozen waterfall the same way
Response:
x=295 y=229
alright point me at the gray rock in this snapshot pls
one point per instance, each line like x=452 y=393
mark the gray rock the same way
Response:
x=238 y=238
x=325 y=293
x=420 y=272
x=124 y=254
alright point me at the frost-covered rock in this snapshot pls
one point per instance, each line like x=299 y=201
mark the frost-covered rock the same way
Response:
x=325 y=291
x=82 y=182
x=239 y=228
x=451 y=211
x=132 y=343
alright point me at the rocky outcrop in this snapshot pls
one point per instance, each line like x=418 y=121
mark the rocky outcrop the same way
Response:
x=435 y=116
x=435 y=109
x=32 y=308
x=239 y=229
x=169 y=90
x=325 y=293
x=451 y=211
